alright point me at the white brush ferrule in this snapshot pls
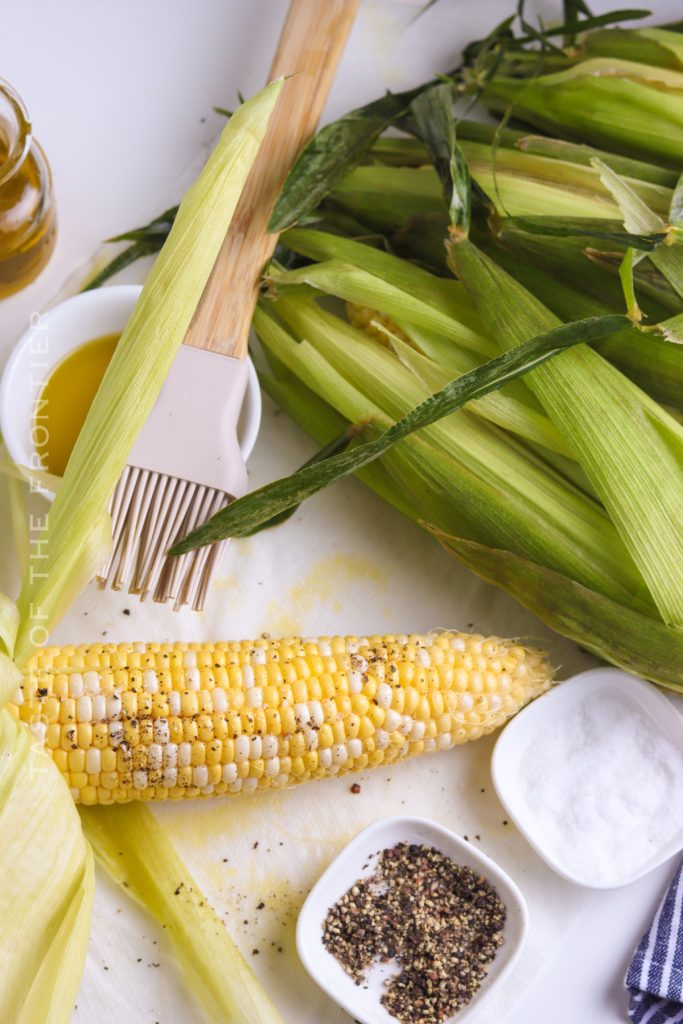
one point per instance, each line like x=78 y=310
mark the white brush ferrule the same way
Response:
x=192 y=431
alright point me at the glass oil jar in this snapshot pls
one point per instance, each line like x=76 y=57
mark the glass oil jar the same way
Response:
x=27 y=218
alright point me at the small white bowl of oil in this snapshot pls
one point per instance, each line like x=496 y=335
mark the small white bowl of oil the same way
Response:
x=54 y=371
x=357 y=861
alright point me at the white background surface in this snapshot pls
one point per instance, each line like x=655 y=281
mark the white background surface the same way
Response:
x=120 y=94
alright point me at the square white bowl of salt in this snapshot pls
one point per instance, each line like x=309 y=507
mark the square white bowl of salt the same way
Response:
x=591 y=774
x=411 y=924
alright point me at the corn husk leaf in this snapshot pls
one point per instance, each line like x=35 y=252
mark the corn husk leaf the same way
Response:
x=570 y=292
x=361 y=379
x=394 y=196
x=134 y=849
x=579 y=153
x=639 y=217
x=573 y=227
x=498 y=408
x=654 y=46
x=588 y=101
x=589 y=269
x=672 y=330
x=635 y=642
x=449 y=295
x=676 y=207
x=334 y=151
x=47 y=882
x=259 y=506
x=323 y=423
x=408 y=152
x=356 y=285
x=633 y=466
x=432 y=116
x=560 y=170
x=416 y=477
x=137 y=371
x=339 y=443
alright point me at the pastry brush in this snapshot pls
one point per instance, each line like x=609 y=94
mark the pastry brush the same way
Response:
x=186 y=464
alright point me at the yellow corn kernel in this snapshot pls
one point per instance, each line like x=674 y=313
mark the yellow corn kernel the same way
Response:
x=190 y=730
x=366 y=728
x=325 y=737
x=339 y=732
x=213 y=750
x=108 y=760
x=288 y=717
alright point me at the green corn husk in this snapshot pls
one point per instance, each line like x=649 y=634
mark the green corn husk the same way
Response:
x=580 y=183
x=535 y=509
x=668 y=259
x=47 y=884
x=591 y=272
x=584 y=263
x=631 y=450
x=648 y=360
x=134 y=849
x=576 y=287
x=565 y=182
x=504 y=410
x=360 y=273
x=621 y=105
x=655 y=46
x=402 y=151
x=636 y=643
x=431 y=330
x=427 y=486
x=392 y=196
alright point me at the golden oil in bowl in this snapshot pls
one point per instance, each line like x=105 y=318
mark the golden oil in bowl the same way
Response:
x=66 y=399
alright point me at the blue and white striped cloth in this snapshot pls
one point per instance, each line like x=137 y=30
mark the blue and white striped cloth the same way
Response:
x=655 y=976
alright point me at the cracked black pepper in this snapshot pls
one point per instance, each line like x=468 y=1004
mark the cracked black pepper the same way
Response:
x=440 y=922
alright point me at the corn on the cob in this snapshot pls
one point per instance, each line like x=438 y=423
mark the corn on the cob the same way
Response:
x=165 y=721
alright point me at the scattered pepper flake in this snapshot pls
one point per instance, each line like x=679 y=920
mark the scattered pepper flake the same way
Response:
x=355 y=788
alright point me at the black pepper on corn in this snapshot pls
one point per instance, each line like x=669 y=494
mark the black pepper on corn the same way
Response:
x=440 y=922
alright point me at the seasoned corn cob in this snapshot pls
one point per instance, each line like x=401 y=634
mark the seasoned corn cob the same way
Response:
x=166 y=721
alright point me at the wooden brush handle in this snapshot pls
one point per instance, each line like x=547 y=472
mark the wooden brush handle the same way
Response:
x=310 y=46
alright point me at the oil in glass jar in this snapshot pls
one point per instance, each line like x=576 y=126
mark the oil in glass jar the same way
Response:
x=27 y=217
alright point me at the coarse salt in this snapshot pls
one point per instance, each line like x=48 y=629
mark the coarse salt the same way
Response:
x=604 y=787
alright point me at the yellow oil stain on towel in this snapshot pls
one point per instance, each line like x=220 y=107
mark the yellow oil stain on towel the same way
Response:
x=326 y=582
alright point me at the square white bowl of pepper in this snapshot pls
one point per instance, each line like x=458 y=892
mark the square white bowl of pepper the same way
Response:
x=411 y=924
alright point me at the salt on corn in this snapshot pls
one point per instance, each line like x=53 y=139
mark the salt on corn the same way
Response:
x=137 y=721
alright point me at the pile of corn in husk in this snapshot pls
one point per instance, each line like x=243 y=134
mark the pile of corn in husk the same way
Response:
x=566 y=486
